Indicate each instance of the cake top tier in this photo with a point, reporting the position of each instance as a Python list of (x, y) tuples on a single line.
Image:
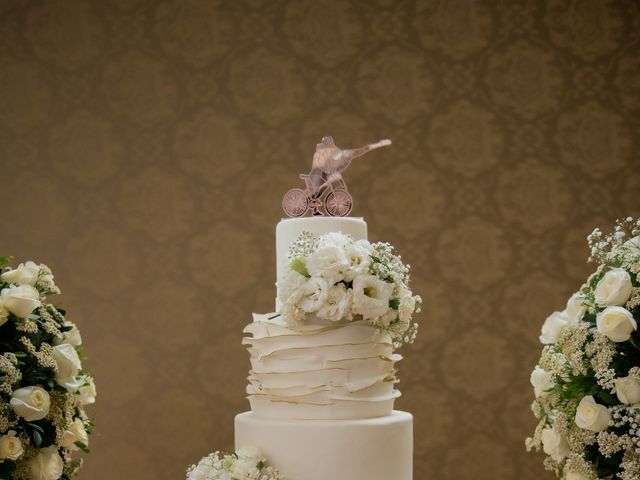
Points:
[(289, 229)]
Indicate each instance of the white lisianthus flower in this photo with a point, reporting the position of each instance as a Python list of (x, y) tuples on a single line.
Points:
[(30, 403), (249, 452), (10, 446), (69, 365), (20, 300), (74, 433), (552, 327), (371, 296), (87, 391), (46, 465), (25, 274), (338, 304), (614, 288), (628, 390), (554, 444), (616, 323), (72, 337), (576, 308), (290, 287), (591, 415), (314, 294), (329, 262), (541, 380), (359, 258)]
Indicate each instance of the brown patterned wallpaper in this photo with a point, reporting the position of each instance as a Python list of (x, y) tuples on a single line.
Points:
[(145, 146)]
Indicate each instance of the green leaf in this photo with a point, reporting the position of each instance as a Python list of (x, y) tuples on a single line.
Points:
[(7, 467), (394, 303), (260, 465), (299, 265), (82, 446), (5, 261), (21, 354), (37, 438)]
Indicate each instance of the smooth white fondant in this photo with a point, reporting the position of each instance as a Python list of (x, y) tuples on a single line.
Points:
[(369, 449), (320, 371), (289, 229)]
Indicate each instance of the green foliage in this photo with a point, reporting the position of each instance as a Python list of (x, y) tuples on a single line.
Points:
[(82, 446), (299, 265), (4, 261), (7, 467), (394, 303)]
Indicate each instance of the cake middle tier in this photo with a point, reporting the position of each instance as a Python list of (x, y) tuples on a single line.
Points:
[(320, 371)]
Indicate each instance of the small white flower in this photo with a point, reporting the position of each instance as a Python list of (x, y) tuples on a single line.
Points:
[(554, 444), (314, 294), (591, 415), (552, 327), (10, 446), (616, 323), (371, 296), (20, 300), (337, 305), (614, 288), (541, 380), (628, 390)]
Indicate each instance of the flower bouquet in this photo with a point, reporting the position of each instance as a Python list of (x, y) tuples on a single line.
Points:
[(587, 382), (337, 278), (245, 464), (43, 389)]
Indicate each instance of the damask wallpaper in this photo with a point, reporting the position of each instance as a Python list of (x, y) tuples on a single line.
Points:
[(145, 146)]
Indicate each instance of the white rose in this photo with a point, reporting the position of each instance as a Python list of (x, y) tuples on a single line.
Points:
[(616, 323), (576, 308), (329, 262), (628, 390), (554, 444), (46, 465), (552, 327), (87, 391), (74, 433), (69, 365), (591, 415), (72, 337), (20, 300), (406, 308), (337, 305), (4, 313), (10, 446), (614, 288), (371, 296), (30, 403), (25, 274), (541, 380), (359, 259), (314, 294)]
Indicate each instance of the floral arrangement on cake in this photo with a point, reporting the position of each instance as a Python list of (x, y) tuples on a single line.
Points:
[(587, 382), (337, 278), (43, 389), (245, 464)]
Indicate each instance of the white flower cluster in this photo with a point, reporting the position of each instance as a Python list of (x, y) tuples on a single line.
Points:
[(245, 464), (587, 383), (336, 278), (42, 381)]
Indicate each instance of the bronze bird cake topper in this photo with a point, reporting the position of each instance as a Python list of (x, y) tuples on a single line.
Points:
[(325, 190)]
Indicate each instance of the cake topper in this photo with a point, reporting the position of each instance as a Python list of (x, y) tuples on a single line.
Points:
[(324, 185)]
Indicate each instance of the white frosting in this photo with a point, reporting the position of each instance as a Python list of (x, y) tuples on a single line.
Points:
[(288, 230), (370, 449), (320, 371)]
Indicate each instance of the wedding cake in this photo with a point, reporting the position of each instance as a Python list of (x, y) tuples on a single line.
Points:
[(323, 367)]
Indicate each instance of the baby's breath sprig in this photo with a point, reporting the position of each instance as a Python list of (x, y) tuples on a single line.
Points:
[(303, 246)]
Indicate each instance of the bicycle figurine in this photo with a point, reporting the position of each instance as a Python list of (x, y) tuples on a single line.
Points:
[(324, 185)]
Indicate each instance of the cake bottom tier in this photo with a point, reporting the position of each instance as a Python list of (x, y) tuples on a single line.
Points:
[(366, 449)]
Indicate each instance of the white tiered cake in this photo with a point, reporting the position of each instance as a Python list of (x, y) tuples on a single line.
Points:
[(322, 392)]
